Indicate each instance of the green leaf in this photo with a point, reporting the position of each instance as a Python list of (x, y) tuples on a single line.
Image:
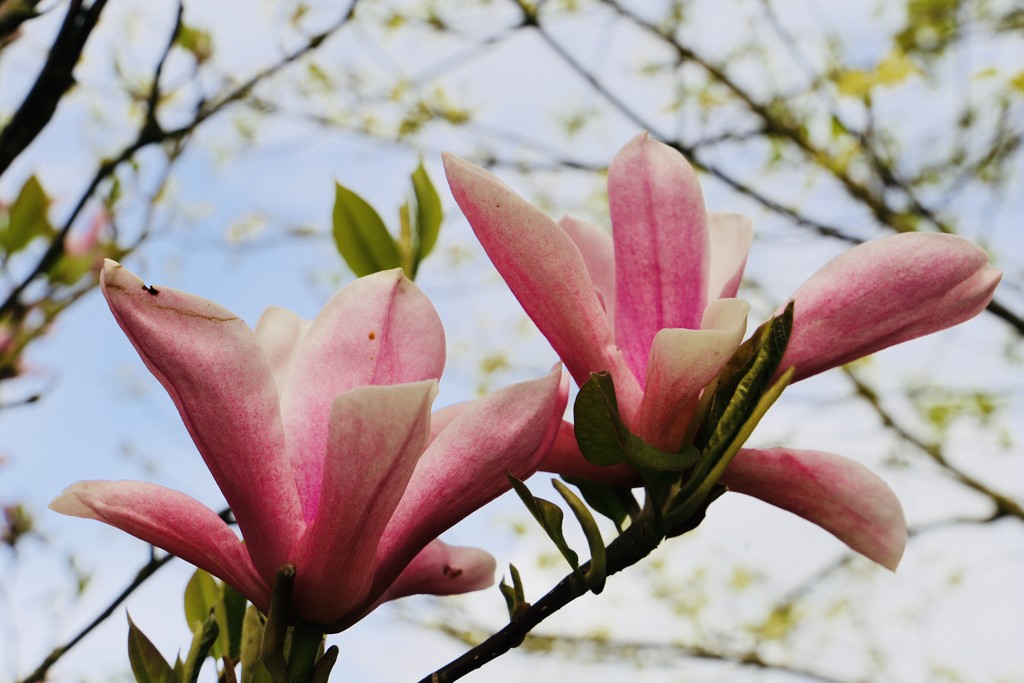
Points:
[(515, 596), (251, 646), (605, 440), (234, 618), (360, 235), (204, 635), (428, 214), (148, 665), (614, 502), (595, 414), (204, 594), (596, 573), (550, 517), (27, 218)]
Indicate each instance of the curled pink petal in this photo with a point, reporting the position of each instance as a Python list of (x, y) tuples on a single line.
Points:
[(442, 569), (379, 330), (598, 253), (540, 263), (838, 494), (467, 464), (885, 292), (377, 435), (661, 246), (279, 332), (216, 373), (682, 363), (179, 524), (730, 236)]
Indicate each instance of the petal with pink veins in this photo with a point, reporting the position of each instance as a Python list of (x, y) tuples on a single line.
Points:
[(279, 332), (377, 435), (682, 363), (661, 246), (217, 374), (730, 236), (171, 520), (466, 466), (884, 292), (598, 253), (540, 264), (442, 569), (838, 494), (379, 330)]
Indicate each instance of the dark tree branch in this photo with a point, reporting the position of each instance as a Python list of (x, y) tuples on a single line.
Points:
[(53, 82)]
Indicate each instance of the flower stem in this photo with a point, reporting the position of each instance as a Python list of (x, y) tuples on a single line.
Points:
[(306, 642)]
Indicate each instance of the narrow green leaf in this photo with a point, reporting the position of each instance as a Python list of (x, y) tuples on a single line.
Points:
[(250, 648), (596, 573), (515, 596), (614, 502), (234, 616), (204, 635), (148, 665), (550, 518), (428, 214), (360, 235), (700, 486), (27, 218)]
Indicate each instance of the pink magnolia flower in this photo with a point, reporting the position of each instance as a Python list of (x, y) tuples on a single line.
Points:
[(320, 436), (653, 305)]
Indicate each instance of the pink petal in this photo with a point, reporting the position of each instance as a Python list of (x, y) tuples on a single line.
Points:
[(216, 373), (565, 459), (730, 236), (598, 253), (466, 465), (438, 569), (168, 519), (542, 267), (379, 330), (442, 569), (279, 332), (377, 435), (839, 495), (661, 246), (885, 292), (682, 363)]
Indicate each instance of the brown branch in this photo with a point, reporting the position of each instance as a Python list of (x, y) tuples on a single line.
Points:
[(54, 80)]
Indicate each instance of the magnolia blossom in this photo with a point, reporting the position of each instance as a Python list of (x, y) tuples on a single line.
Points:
[(653, 304), (320, 436)]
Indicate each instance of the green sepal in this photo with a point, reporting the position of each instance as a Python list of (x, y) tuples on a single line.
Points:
[(148, 665), (250, 648), (614, 502), (605, 440), (204, 636), (706, 475), (515, 596), (596, 572), (234, 617), (428, 215), (550, 517), (744, 378), (360, 235), (27, 217)]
